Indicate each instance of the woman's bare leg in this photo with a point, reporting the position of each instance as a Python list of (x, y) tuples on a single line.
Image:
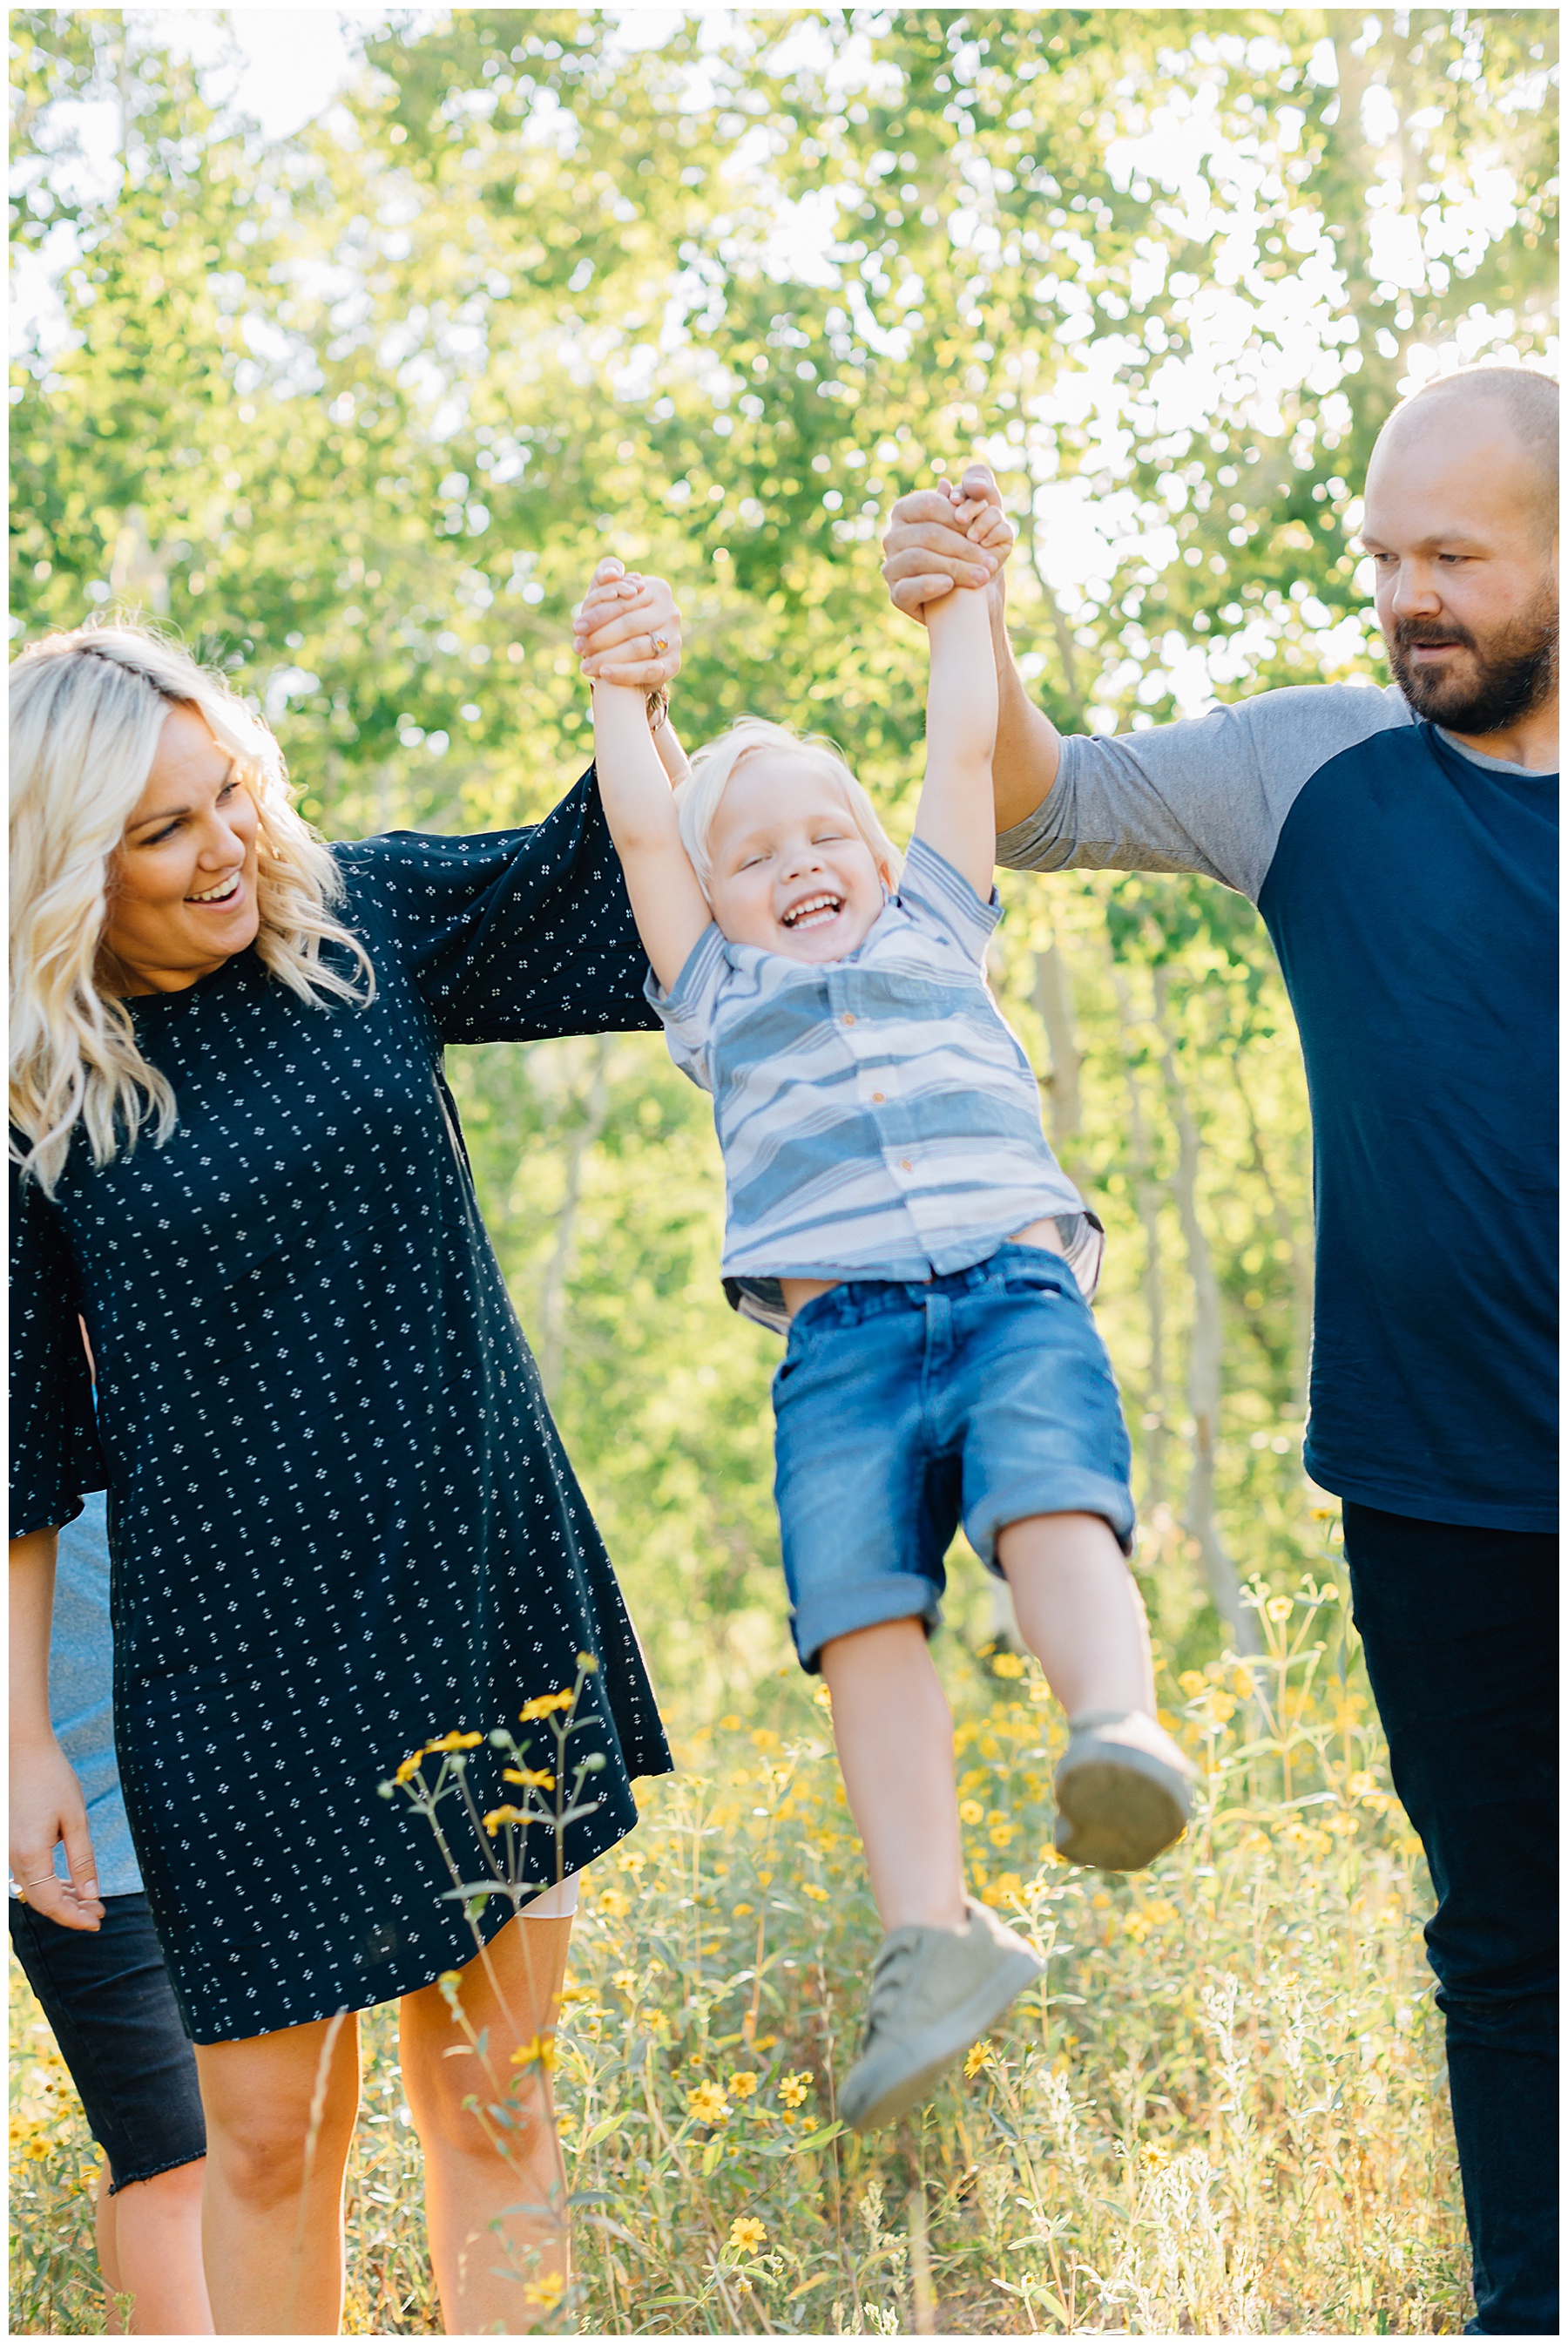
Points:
[(280, 2112), (498, 2226), (894, 1733), (149, 2248)]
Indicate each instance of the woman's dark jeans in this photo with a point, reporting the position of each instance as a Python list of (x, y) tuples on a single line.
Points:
[(1460, 1632), (108, 1997)]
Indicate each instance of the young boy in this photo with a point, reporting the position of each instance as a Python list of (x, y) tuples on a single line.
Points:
[(892, 1204)]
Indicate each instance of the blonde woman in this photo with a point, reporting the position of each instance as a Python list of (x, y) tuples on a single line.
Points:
[(341, 1517)]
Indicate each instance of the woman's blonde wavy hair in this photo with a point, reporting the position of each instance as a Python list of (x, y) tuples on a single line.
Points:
[(87, 709), (714, 765)]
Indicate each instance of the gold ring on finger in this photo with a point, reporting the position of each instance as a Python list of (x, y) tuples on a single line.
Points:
[(660, 643)]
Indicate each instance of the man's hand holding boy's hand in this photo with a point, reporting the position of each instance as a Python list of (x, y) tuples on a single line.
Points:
[(951, 535), (626, 628)]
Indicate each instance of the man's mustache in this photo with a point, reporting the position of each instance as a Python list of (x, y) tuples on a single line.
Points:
[(1410, 633)]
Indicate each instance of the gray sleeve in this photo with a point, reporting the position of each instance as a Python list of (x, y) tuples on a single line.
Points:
[(1209, 795)]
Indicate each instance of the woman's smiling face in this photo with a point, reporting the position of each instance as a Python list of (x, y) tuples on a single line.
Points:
[(792, 872), (182, 895)]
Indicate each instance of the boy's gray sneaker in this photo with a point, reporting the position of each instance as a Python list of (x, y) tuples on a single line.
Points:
[(933, 1993), (1120, 1802)]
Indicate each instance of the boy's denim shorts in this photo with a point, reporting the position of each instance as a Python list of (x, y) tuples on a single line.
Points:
[(984, 1397)]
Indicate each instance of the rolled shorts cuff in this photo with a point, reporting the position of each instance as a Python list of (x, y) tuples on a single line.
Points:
[(151, 2172), (1059, 1489), (841, 1610)]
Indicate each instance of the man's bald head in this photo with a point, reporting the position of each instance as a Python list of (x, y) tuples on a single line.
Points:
[(1484, 403), (1461, 526)]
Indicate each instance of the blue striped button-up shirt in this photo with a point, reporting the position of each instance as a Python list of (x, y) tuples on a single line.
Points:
[(877, 1115)]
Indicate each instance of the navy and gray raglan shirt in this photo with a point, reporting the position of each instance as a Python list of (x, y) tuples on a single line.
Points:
[(1409, 887)]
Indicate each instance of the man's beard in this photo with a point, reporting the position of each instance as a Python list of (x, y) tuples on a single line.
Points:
[(1516, 671)]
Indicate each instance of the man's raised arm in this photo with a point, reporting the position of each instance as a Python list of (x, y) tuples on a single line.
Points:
[(927, 557)]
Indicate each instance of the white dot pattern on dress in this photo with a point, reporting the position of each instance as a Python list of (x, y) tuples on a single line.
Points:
[(341, 1516)]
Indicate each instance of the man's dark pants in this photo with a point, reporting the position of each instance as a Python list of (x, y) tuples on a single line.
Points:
[(1458, 1627)]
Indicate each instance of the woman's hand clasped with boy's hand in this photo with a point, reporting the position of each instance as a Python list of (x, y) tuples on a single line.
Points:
[(626, 628)]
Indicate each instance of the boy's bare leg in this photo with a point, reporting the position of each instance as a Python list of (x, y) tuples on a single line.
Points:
[(894, 1733), (1080, 1612)]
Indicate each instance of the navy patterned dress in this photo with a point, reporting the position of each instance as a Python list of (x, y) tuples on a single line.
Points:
[(342, 1520)]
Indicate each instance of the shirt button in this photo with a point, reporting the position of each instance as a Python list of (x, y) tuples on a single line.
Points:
[(878, 1098), (848, 1016), (904, 1163)]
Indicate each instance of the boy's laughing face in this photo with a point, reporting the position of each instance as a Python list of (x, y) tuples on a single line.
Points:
[(792, 872)]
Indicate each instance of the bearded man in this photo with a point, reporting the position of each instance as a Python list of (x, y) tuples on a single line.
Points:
[(1401, 847)]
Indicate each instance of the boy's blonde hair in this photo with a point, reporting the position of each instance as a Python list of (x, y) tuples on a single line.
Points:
[(86, 711), (714, 765)]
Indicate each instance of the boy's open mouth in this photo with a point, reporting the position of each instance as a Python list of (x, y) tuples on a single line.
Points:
[(814, 913)]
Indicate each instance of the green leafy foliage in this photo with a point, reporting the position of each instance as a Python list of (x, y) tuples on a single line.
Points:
[(357, 411)]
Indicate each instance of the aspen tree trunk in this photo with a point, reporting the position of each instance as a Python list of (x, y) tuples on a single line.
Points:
[(594, 1097), (1146, 1198), (1289, 1234), (1053, 999), (1205, 1353)]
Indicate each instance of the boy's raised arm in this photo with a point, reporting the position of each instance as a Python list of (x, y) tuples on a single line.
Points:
[(633, 619), (957, 815)]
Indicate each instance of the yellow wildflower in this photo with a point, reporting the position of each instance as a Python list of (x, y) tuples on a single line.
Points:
[(540, 2052), (1137, 1925), (817, 1895), (1242, 1682), (1280, 1607), (409, 1768), (1218, 1707), (543, 1704), (793, 2089), (628, 1981), (728, 1724), (742, 2085), (587, 1663), (454, 1742), (979, 2056), (747, 2234), (708, 2104), (546, 2292), (499, 1816), (531, 1777), (565, 2120), (1006, 1665), (764, 1740), (970, 1811), (1153, 2158), (1002, 1834), (1191, 1682), (744, 1912)]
